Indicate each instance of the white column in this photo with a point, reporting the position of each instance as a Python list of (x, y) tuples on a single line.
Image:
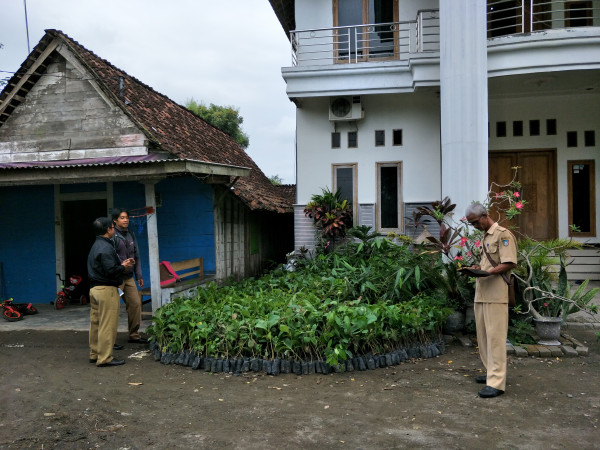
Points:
[(464, 102), (153, 257)]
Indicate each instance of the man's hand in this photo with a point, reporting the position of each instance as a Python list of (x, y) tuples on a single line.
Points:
[(141, 282), (128, 264)]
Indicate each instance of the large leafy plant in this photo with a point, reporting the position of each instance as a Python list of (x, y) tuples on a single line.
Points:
[(359, 300), (331, 215)]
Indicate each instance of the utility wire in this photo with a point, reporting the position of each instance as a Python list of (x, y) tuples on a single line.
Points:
[(26, 26)]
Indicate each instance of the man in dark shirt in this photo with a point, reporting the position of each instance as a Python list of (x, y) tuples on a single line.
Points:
[(127, 247), (106, 273)]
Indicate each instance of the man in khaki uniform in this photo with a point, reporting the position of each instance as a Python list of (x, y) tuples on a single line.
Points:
[(491, 298), (105, 272)]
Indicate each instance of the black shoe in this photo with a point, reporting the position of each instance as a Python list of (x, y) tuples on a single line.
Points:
[(481, 379), (93, 361), (138, 341), (489, 392), (118, 347), (114, 362)]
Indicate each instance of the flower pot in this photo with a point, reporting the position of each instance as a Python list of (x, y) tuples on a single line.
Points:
[(455, 322), (548, 330)]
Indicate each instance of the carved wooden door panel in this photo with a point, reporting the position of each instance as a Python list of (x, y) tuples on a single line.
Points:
[(537, 175)]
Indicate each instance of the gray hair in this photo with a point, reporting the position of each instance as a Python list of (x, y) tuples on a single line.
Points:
[(476, 209)]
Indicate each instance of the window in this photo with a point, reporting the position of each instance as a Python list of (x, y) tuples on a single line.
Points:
[(571, 138), (389, 196), (534, 128), (551, 127), (379, 138), (578, 14), (589, 138), (336, 139), (397, 137), (344, 179), (518, 128), (352, 139), (361, 42), (500, 129), (582, 198)]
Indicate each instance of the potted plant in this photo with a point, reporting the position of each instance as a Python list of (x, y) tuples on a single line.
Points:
[(331, 215), (550, 300)]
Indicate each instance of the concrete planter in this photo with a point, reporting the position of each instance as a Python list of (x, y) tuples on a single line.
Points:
[(548, 330)]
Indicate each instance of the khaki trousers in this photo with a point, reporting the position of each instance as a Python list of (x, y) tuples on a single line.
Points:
[(133, 303), (104, 319), (491, 321)]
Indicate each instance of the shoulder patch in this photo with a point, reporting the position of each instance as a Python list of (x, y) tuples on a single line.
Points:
[(505, 242)]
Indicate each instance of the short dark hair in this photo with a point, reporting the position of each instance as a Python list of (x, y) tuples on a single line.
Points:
[(116, 212), (101, 225)]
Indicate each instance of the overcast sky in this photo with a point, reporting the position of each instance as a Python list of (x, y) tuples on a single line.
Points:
[(226, 52)]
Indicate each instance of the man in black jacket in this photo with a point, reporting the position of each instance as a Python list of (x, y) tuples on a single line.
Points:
[(106, 273), (127, 247)]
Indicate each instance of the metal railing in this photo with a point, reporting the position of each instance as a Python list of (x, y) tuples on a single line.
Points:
[(507, 17), (404, 40), (366, 42)]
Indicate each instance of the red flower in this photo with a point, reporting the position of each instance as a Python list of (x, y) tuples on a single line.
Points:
[(463, 241), (516, 194), (477, 244), (459, 258), (469, 254), (518, 205)]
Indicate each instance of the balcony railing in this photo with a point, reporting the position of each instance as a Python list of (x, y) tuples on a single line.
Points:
[(404, 40), (367, 42)]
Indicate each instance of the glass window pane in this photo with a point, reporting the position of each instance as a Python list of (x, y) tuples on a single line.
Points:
[(349, 13), (580, 196), (381, 38), (345, 183), (389, 196)]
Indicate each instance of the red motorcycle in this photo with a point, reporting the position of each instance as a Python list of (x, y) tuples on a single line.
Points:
[(15, 311), (70, 293)]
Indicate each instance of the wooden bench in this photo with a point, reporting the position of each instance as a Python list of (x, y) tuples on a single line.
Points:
[(191, 277)]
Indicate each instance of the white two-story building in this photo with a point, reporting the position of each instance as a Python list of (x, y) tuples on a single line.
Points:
[(400, 103)]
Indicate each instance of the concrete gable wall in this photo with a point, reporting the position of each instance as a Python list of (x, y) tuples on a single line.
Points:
[(64, 116)]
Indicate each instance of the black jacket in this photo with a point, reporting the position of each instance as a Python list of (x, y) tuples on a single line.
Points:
[(127, 247), (104, 266)]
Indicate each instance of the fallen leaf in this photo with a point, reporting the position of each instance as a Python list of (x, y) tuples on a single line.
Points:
[(274, 387), (49, 414), (135, 383), (326, 407)]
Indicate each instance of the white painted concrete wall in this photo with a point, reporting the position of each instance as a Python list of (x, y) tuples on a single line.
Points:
[(572, 113), (416, 114)]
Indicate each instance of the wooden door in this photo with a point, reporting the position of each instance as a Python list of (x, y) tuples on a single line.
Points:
[(537, 175)]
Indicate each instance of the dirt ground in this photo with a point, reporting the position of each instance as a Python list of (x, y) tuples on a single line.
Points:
[(51, 397)]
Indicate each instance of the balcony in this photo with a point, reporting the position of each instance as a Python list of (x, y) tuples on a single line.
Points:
[(421, 37), (370, 42), (404, 56)]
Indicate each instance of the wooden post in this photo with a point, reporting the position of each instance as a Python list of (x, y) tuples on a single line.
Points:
[(153, 256)]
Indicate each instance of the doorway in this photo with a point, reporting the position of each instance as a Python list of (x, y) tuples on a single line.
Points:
[(78, 235), (537, 175)]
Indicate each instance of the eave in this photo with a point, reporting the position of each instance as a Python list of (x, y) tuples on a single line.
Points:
[(94, 173)]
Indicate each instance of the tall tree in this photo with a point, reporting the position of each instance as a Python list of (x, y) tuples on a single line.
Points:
[(225, 118)]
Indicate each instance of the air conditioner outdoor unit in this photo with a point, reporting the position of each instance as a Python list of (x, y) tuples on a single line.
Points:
[(346, 108)]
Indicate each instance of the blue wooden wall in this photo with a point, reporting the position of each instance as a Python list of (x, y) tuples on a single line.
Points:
[(27, 250)]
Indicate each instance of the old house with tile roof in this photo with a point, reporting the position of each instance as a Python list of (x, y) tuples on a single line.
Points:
[(78, 137)]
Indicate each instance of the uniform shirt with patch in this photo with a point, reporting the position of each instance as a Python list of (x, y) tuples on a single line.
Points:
[(501, 246)]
